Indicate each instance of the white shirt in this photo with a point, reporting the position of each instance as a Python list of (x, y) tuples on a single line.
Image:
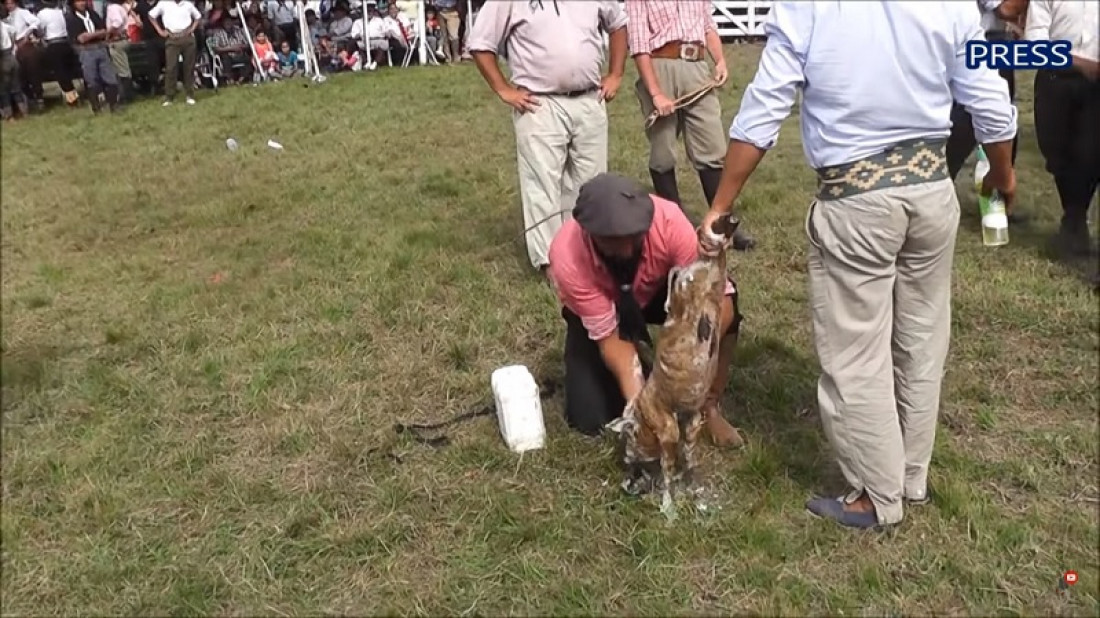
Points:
[(393, 28), (990, 21), (377, 29), (116, 16), (280, 13), (865, 89), (7, 36), (22, 21), (52, 23), (1075, 21), (357, 29), (176, 16)]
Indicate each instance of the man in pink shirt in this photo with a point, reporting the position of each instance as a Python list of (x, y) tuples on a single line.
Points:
[(610, 265)]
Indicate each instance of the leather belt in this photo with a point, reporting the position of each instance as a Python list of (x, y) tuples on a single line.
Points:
[(571, 94), (693, 51)]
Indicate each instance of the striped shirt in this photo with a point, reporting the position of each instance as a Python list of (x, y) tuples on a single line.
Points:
[(653, 23)]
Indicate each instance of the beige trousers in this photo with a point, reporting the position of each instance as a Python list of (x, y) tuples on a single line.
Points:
[(559, 146), (705, 137), (880, 291), (119, 58)]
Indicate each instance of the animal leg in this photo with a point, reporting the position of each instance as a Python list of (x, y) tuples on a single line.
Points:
[(691, 441), (669, 452)]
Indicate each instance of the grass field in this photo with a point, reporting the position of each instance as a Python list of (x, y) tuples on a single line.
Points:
[(204, 353)]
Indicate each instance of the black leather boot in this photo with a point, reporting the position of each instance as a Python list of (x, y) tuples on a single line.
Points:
[(112, 94), (93, 99), (710, 177), (126, 90), (664, 185)]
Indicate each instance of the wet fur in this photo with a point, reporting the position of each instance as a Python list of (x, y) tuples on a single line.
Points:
[(665, 420)]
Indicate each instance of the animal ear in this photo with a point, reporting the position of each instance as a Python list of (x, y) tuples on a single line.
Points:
[(725, 225), (672, 274)]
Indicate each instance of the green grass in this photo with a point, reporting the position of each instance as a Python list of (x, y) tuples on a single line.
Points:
[(204, 353)]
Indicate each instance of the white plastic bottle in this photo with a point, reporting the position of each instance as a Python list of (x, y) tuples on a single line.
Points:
[(994, 217), (519, 409)]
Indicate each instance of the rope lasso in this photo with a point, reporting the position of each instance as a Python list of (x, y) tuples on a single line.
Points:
[(682, 102)]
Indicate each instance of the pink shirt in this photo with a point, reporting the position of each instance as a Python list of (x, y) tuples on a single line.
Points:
[(585, 286), (656, 22)]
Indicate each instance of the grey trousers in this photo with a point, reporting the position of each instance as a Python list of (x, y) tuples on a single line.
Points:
[(559, 146), (880, 290), (95, 63)]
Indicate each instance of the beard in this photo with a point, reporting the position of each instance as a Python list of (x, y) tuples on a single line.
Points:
[(623, 269)]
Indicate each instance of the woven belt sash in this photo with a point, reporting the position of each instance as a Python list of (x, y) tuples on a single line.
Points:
[(906, 163)]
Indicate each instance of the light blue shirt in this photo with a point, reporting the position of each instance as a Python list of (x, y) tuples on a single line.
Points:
[(872, 74)]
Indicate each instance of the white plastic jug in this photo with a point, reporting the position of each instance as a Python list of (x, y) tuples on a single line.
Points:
[(519, 409)]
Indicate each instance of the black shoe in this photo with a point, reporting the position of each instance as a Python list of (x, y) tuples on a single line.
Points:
[(1073, 239)]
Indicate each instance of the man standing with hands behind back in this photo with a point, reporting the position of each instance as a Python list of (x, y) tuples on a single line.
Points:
[(555, 52), (669, 40), (176, 21)]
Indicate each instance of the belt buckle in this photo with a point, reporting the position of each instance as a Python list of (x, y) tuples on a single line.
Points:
[(691, 51)]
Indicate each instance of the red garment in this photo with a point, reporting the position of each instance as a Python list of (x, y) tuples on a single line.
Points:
[(586, 288)]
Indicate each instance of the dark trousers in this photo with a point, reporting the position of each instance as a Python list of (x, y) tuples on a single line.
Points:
[(962, 142), (11, 90), (1067, 127), (99, 72), (59, 57), (290, 33), (174, 47), (30, 69), (592, 394)]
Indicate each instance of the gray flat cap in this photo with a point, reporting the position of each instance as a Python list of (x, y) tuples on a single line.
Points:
[(613, 205)]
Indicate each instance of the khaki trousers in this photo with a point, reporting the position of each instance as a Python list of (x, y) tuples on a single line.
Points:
[(559, 146), (705, 137), (119, 58), (880, 291)]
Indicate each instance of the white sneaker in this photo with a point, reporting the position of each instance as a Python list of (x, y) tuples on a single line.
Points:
[(190, 101), (166, 104)]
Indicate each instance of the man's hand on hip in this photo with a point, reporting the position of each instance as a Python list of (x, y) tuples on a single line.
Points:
[(520, 100)]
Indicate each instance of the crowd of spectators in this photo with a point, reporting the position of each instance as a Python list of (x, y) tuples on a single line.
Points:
[(205, 43)]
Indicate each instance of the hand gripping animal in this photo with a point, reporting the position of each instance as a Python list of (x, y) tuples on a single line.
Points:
[(664, 421)]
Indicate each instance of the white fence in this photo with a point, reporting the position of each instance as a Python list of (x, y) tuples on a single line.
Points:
[(739, 19)]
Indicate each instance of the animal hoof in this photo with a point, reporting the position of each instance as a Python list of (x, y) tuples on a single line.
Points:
[(722, 433), (668, 507)]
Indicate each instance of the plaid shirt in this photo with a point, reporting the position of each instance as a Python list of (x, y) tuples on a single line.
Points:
[(653, 23), (223, 38)]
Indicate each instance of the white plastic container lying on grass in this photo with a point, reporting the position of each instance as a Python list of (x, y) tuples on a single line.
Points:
[(519, 409)]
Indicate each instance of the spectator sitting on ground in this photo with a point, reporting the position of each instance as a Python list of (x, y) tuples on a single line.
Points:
[(288, 61), (340, 26), (269, 62), (231, 45), (274, 34), (349, 57)]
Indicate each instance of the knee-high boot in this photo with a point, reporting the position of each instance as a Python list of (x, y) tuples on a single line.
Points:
[(710, 177), (664, 185)]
